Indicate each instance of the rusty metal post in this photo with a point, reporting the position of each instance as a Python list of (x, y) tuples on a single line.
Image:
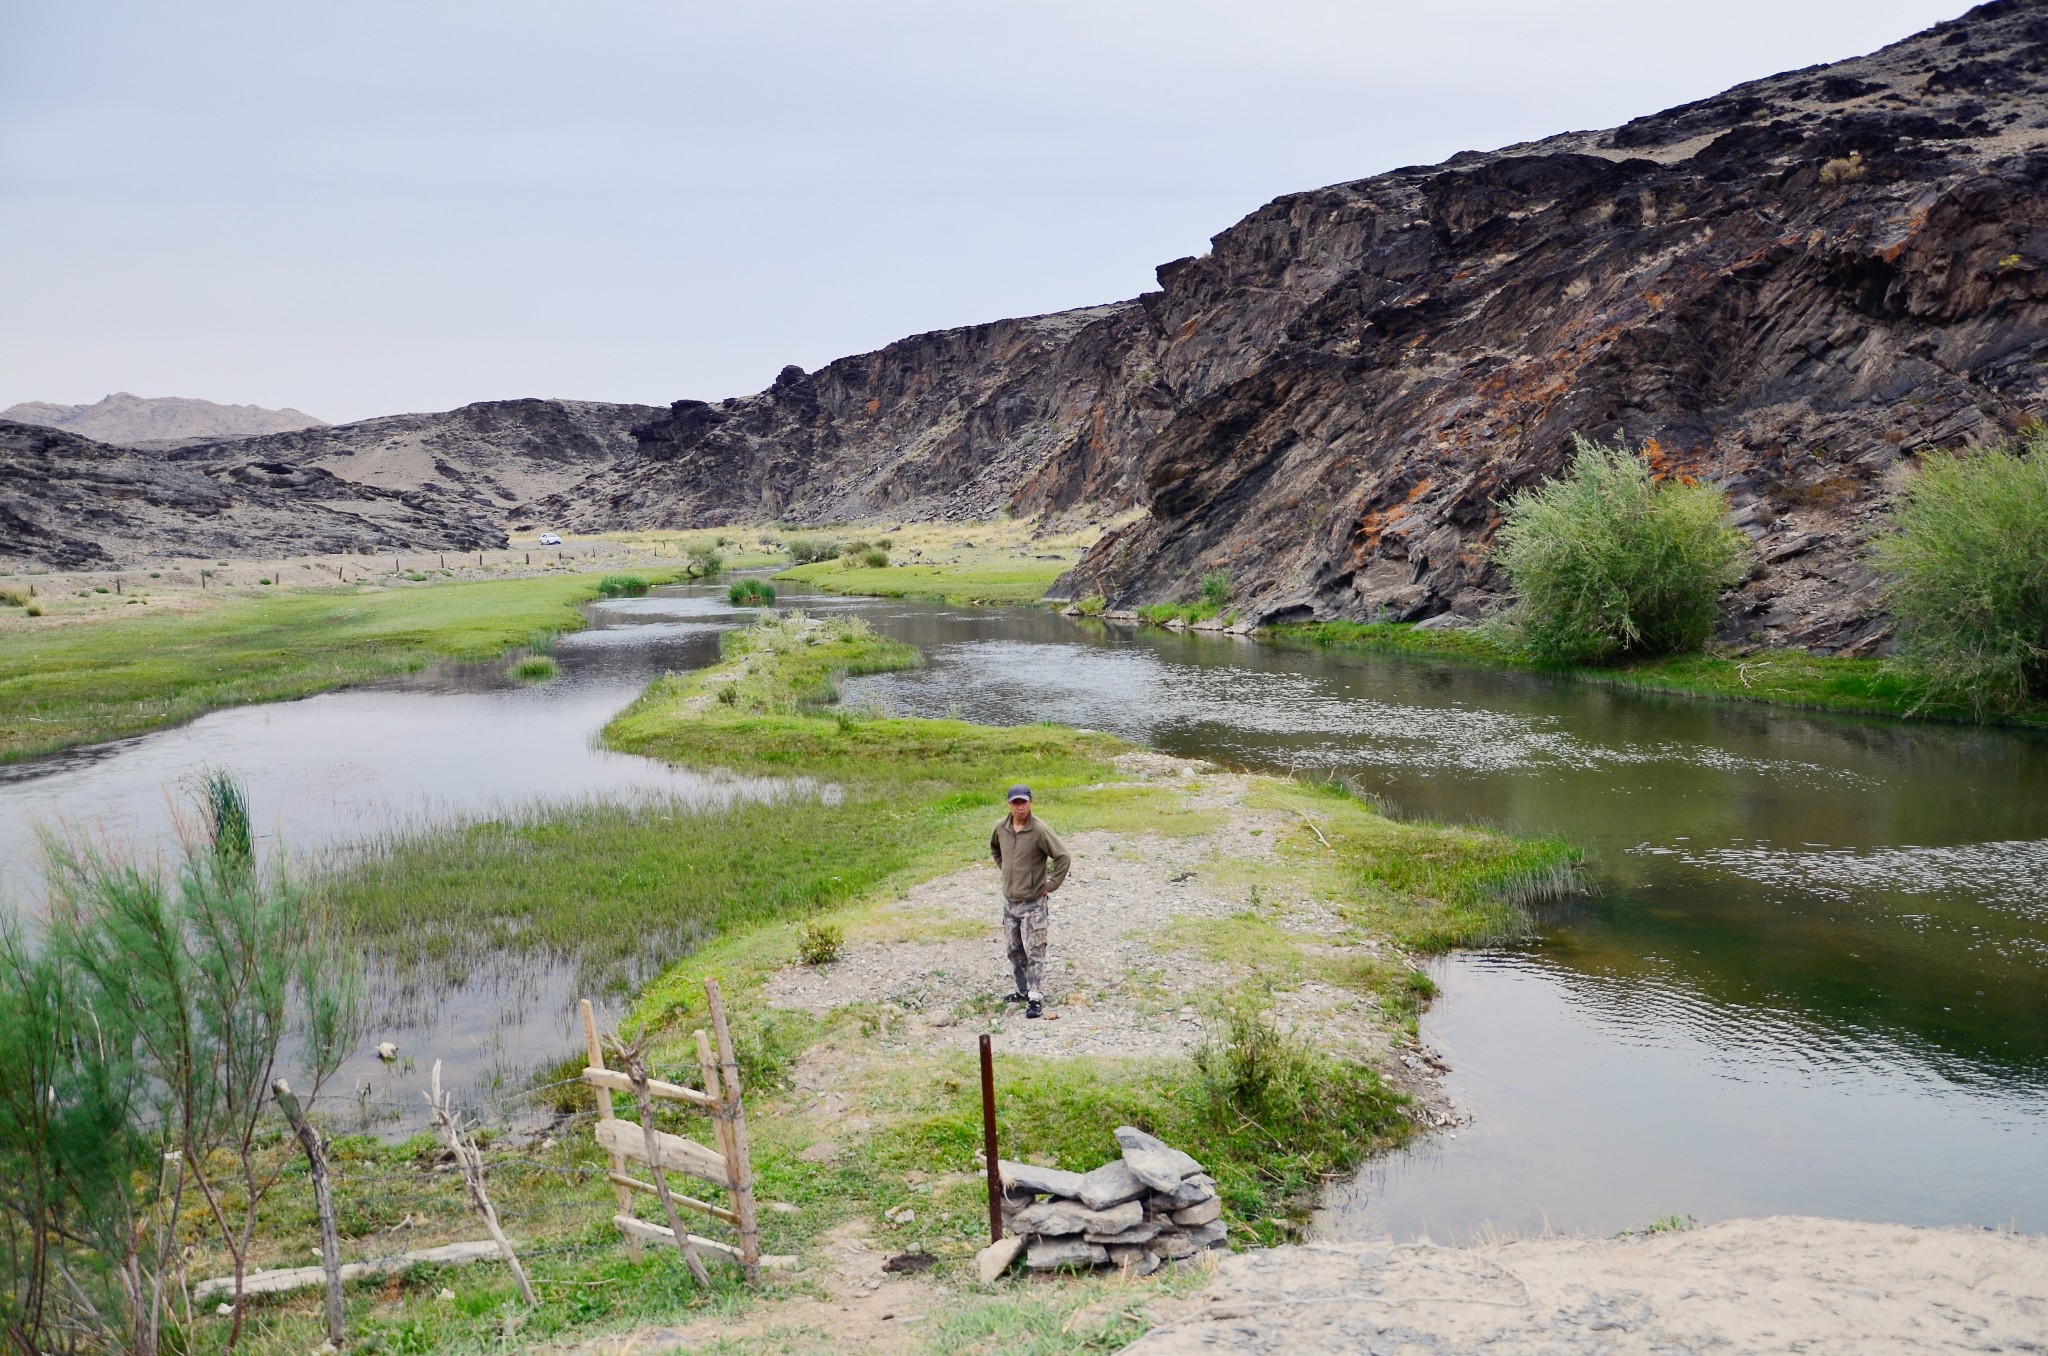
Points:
[(988, 1142)]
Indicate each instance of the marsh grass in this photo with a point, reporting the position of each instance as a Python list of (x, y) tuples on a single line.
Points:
[(76, 684), (1430, 887), (618, 890), (536, 668), (1159, 614)]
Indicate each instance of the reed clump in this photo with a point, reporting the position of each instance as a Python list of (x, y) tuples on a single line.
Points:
[(621, 586)]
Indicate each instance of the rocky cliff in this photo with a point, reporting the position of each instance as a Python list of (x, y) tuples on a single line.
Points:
[(1790, 289), (446, 481), (72, 503), (493, 458), (958, 423)]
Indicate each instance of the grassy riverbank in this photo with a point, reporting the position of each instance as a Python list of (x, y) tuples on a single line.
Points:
[(94, 680), (1004, 561), (1774, 677), (1272, 901)]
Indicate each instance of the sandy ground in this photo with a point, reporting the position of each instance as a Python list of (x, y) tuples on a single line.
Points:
[(856, 1307), (1774, 1285), (1117, 982)]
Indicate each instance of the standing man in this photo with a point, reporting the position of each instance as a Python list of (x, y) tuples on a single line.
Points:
[(1023, 847)]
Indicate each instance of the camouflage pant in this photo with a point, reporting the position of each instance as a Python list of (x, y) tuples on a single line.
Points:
[(1025, 927)]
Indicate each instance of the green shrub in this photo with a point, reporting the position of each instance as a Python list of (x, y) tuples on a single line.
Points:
[(1608, 561), (13, 598), (1311, 1104), (1969, 567), (804, 550), (1093, 605), (1217, 589), (751, 593), (874, 557), (621, 586), (705, 560), (1844, 170), (819, 943)]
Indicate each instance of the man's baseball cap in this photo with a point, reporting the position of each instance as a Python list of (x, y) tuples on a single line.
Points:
[(1019, 792)]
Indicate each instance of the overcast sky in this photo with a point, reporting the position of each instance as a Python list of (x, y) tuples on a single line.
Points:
[(369, 207)]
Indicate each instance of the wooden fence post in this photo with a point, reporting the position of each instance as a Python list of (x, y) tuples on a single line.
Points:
[(323, 1205), (735, 1121), (470, 1162), (594, 1052)]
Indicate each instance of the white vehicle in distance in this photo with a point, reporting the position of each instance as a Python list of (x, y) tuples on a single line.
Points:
[(550, 539)]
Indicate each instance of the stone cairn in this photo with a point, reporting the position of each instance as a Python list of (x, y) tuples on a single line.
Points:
[(1153, 1205)]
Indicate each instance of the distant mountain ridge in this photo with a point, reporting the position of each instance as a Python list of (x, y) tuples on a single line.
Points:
[(126, 420)]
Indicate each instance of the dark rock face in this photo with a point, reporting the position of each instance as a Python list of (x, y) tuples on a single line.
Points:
[(952, 424), (1788, 289), (446, 481), (493, 457)]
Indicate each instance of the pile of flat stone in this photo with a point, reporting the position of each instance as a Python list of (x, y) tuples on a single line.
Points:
[(1151, 1206)]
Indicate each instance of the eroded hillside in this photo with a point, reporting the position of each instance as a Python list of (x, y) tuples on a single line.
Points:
[(1790, 289)]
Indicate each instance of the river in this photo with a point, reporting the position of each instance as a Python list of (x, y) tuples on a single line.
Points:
[(1812, 980)]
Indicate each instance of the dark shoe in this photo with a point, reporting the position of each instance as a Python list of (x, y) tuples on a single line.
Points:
[(1034, 1009), (1018, 997)]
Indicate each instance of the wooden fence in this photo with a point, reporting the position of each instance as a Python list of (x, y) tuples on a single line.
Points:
[(659, 1153)]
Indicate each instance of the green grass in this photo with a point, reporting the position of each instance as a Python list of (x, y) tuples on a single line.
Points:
[(536, 668), (75, 684), (1776, 677), (1159, 614), (622, 586), (974, 582)]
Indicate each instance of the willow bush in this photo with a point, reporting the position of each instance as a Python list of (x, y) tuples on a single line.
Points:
[(143, 1018), (1969, 574), (1609, 562)]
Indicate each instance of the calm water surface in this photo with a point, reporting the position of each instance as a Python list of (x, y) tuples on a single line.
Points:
[(1813, 980)]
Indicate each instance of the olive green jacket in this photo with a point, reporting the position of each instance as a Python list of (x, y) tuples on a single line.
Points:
[(1023, 854)]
